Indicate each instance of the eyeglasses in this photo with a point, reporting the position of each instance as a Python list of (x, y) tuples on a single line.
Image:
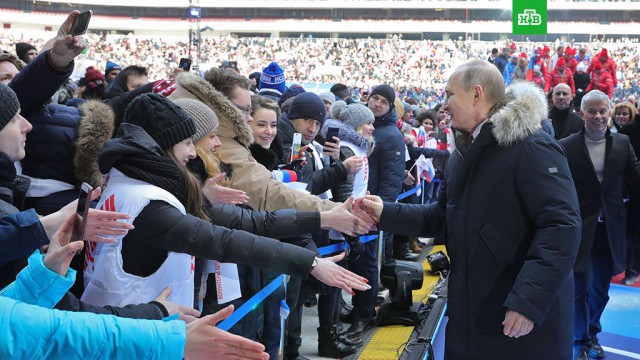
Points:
[(245, 110)]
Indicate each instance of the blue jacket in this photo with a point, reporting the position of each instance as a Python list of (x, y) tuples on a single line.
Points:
[(507, 73), (20, 233), (31, 330), (387, 161)]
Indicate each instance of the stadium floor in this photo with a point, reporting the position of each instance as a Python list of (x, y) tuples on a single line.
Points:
[(620, 337)]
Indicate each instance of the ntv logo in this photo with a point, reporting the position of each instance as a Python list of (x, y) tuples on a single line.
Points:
[(529, 18)]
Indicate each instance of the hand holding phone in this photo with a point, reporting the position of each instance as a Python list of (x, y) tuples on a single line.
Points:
[(81, 23), (331, 132), (84, 203)]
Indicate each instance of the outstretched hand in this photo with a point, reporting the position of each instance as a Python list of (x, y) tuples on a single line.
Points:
[(330, 273), (217, 194), (205, 340), (353, 164), (341, 219), (185, 313), (61, 251), (101, 223)]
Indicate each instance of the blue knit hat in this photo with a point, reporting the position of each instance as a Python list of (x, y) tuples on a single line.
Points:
[(307, 105), (273, 78), (110, 67)]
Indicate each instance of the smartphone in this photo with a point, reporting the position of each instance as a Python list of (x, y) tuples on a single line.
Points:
[(84, 203), (185, 64), (295, 146), (81, 23), (233, 65), (331, 132)]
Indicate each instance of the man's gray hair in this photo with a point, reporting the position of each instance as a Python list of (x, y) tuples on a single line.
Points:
[(594, 95)]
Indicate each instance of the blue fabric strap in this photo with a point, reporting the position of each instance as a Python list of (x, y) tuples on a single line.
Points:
[(409, 193), (251, 304)]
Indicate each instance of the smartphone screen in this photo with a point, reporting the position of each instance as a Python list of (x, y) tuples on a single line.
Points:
[(84, 202), (331, 132), (295, 146), (185, 64), (81, 23)]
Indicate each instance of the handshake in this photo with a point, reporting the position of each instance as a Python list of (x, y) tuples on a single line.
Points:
[(353, 217)]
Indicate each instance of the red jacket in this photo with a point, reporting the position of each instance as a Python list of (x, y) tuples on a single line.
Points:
[(609, 66), (556, 78), (604, 83)]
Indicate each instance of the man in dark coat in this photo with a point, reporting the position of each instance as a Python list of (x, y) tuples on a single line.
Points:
[(565, 122), (512, 223), (601, 163)]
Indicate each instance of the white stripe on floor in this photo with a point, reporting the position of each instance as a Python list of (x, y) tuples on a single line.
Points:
[(622, 352)]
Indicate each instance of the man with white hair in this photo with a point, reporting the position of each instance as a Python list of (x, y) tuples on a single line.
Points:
[(602, 163)]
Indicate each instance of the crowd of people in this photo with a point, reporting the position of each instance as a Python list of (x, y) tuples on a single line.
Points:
[(197, 174), (417, 69)]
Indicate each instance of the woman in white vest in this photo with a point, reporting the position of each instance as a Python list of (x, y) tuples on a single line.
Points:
[(207, 166), (148, 179), (355, 124)]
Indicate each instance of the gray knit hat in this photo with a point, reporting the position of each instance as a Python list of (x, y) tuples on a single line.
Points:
[(9, 105), (205, 119), (327, 96), (335, 109), (356, 115)]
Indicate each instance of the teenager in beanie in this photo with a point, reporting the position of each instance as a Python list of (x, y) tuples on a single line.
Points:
[(148, 179), (111, 71), (26, 52), (272, 82), (306, 115)]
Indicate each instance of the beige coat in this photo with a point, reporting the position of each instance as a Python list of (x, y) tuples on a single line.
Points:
[(265, 193)]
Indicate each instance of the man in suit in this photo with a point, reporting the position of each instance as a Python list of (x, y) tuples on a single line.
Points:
[(601, 164)]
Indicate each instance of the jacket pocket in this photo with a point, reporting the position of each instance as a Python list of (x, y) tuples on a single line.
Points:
[(498, 245)]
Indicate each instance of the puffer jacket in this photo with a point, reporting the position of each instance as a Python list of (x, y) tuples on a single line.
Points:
[(387, 161), (265, 192), (51, 334)]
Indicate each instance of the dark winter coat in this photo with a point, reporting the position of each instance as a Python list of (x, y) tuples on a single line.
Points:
[(159, 224), (564, 122), (606, 199), (512, 224), (387, 161)]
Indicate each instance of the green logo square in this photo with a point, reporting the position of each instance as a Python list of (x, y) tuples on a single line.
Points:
[(529, 17)]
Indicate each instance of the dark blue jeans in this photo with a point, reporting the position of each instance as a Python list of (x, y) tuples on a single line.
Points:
[(366, 265), (592, 289)]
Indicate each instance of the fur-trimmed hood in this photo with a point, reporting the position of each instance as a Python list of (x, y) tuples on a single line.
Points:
[(525, 105), (232, 122), (347, 133), (94, 130)]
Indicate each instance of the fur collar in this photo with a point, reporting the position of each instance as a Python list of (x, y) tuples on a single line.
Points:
[(232, 122), (347, 133), (94, 129), (523, 109)]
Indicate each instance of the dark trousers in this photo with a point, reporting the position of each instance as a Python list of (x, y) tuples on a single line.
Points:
[(297, 292), (366, 265), (592, 289)]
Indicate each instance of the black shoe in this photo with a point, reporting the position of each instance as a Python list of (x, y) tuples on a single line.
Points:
[(629, 280), (345, 312), (330, 346), (582, 354), (311, 301), (359, 326), (595, 350), (404, 253), (346, 339)]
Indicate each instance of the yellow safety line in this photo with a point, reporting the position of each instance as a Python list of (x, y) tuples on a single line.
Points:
[(388, 342)]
